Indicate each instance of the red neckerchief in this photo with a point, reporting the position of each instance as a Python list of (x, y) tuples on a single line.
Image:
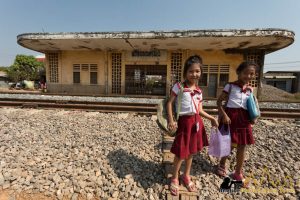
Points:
[(197, 90), (244, 88), (193, 93), (197, 108)]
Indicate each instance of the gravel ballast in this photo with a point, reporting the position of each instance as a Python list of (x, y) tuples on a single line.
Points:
[(118, 156)]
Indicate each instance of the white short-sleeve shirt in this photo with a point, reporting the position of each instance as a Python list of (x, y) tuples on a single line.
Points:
[(187, 105), (238, 96)]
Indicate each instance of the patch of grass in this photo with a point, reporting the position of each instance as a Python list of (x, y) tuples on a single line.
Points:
[(297, 95), (293, 97)]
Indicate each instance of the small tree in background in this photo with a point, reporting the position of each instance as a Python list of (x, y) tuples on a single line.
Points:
[(2, 68), (25, 68)]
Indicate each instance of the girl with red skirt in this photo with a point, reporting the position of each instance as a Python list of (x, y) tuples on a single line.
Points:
[(235, 115), (190, 137)]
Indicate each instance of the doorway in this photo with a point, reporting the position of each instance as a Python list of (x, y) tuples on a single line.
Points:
[(145, 79)]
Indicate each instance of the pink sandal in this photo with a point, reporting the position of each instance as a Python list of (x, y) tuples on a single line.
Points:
[(240, 177), (174, 186), (190, 186)]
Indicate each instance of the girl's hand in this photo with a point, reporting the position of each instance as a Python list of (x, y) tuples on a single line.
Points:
[(214, 123), (172, 126), (253, 121), (226, 119)]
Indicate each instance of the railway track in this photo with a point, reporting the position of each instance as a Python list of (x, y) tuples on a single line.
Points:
[(142, 108)]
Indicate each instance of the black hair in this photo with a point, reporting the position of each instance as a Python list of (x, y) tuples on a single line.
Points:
[(195, 59), (244, 65)]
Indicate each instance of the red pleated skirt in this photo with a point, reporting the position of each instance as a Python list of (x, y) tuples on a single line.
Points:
[(240, 127), (188, 140)]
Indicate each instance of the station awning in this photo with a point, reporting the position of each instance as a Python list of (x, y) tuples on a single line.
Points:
[(268, 40)]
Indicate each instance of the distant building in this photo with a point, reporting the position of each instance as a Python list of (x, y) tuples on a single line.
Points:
[(40, 58), (288, 81), (148, 63)]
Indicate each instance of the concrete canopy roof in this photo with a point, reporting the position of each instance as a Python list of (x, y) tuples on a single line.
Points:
[(268, 40)]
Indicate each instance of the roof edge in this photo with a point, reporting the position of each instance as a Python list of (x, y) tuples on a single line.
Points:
[(162, 34)]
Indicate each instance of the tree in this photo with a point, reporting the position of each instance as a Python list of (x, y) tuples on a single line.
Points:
[(2, 68), (25, 68)]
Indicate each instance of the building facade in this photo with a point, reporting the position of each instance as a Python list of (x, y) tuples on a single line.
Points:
[(288, 81), (148, 63)]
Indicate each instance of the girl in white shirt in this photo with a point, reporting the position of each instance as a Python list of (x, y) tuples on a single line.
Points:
[(190, 137), (236, 116)]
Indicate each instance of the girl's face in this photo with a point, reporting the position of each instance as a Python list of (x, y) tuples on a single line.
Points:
[(247, 74), (193, 73)]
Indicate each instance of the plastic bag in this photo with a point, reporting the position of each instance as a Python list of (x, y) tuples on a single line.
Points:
[(252, 107), (220, 142)]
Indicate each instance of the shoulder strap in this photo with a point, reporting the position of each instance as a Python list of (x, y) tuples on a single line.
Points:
[(229, 91), (179, 98)]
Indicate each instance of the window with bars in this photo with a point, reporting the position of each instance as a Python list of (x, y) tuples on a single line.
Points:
[(92, 68), (223, 75), (76, 73), (176, 66), (93, 74), (93, 78), (223, 80), (116, 59), (53, 67), (203, 80), (222, 72)]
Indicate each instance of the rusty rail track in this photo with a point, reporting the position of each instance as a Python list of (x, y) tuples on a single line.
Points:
[(132, 96), (286, 113), (143, 108)]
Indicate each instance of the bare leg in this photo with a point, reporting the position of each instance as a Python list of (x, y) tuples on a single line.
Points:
[(223, 161), (221, 168), (176, 167), (240, 157), (186, 176), (174, 185), (188, 165)]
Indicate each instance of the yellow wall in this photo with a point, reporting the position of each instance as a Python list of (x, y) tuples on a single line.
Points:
[(68, 58), (220, 58), (103, 60)]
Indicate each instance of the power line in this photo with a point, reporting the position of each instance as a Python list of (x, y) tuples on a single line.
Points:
[(289, 62), (269, 67)]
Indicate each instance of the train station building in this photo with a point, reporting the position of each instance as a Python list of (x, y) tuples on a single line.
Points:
[(148, 63)]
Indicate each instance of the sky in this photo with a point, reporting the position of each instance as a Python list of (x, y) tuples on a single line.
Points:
[(31, 16)]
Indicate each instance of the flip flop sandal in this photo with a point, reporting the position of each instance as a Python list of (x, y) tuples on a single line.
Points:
[(221, 171), (245, 184), (174, 187), (190, 186)]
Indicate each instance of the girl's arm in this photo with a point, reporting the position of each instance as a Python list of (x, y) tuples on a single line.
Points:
[(171, 124), (222, 113), (202, 113)]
